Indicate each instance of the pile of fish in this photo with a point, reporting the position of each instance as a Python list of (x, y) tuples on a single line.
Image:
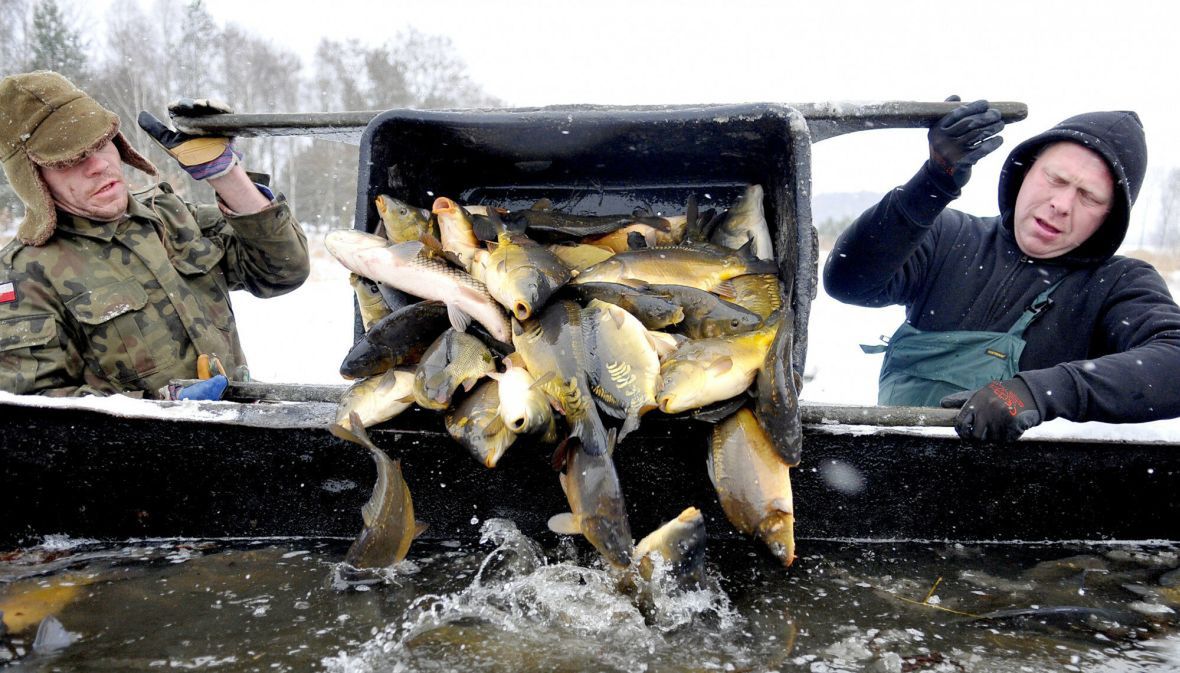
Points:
[(537, 322)]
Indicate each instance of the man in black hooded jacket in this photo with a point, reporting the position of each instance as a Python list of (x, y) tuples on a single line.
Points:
[(1030, 315)]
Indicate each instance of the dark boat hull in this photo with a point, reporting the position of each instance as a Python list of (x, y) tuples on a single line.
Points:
[(274, 470)]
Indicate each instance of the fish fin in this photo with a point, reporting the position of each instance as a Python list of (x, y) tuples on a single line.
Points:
[(617, 315), (542, 380), (630, 424), (755, 266), (557, 460), (720, 366), (355, 432), (431, 244), (608, 403), (712, 223), (469, 383), (498, 224), (725, 290), (565, 524), (513, 359), (746, 250), (405, 252), (420, 527), (636, 241), (491, 245), (485, 228), (611, 441), (542, 204), (495, 427), (709, 469), (589, 430), (782, 505), (454, 259), (459, 320)]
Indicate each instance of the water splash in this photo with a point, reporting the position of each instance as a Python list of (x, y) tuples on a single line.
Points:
[(524, 607)]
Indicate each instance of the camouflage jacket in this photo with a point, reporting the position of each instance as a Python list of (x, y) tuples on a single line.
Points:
[(126, 306)]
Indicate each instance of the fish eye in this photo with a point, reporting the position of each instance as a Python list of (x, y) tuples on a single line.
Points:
[(735, 323)]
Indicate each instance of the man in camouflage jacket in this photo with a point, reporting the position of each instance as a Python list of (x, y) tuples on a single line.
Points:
[(105, 291)]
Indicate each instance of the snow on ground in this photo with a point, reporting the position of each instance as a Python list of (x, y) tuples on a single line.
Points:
[(303, 336)]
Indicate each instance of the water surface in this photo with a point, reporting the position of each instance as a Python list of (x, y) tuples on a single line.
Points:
[(510, 604)]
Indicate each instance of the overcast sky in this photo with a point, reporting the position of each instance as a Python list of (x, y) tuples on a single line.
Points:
[(1060, 58)]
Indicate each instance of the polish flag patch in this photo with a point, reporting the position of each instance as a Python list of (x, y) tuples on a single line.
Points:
[(7, 293)]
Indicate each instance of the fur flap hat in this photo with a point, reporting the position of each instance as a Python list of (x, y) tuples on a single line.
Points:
[(47, 121)]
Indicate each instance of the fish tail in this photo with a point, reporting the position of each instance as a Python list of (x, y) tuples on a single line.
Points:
[(595, 439)]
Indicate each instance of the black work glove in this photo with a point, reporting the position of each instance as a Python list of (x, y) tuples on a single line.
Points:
[(999, 412), (201, 156), (963, 137)]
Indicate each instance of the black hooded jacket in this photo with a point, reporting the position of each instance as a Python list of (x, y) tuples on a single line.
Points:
[(1108, 349)]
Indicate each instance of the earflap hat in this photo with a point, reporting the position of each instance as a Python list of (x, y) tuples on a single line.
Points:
[(46, 121)]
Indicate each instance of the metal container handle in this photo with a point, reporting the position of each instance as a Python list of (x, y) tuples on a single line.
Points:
[(827, 120), (824, 120)]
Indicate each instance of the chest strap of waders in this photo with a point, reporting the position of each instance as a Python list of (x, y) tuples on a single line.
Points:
[(1039, 305)]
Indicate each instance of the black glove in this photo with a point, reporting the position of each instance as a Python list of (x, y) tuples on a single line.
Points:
[(963, 137), (201, 156), (999, 412)]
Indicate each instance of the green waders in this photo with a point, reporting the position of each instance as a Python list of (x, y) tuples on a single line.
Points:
[(921, 368)]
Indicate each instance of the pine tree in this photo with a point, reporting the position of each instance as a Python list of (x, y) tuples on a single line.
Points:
[(56, 45)]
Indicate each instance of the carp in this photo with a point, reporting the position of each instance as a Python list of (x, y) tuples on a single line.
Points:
[(522, 275), (619, 240), (624, 369), (404, 222), (456, 234), (454, 359), (541, 218), (653, 310), (680, 543), (552, 348), (399, 338), (745, 224), (777, 393), (402, 266), (579, 256), (389, 513), (703, 266), (597, 512), (761, 293), (369, 300), (524, 406), (703, 371), (753, 483), (376, 399), (476, 424), (705, 314)]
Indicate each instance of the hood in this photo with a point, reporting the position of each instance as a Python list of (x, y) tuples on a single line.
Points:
[(1118, 138)]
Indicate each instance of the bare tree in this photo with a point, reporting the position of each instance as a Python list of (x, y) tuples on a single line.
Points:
[(15, 17), (1166, 235), (435, 77)]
